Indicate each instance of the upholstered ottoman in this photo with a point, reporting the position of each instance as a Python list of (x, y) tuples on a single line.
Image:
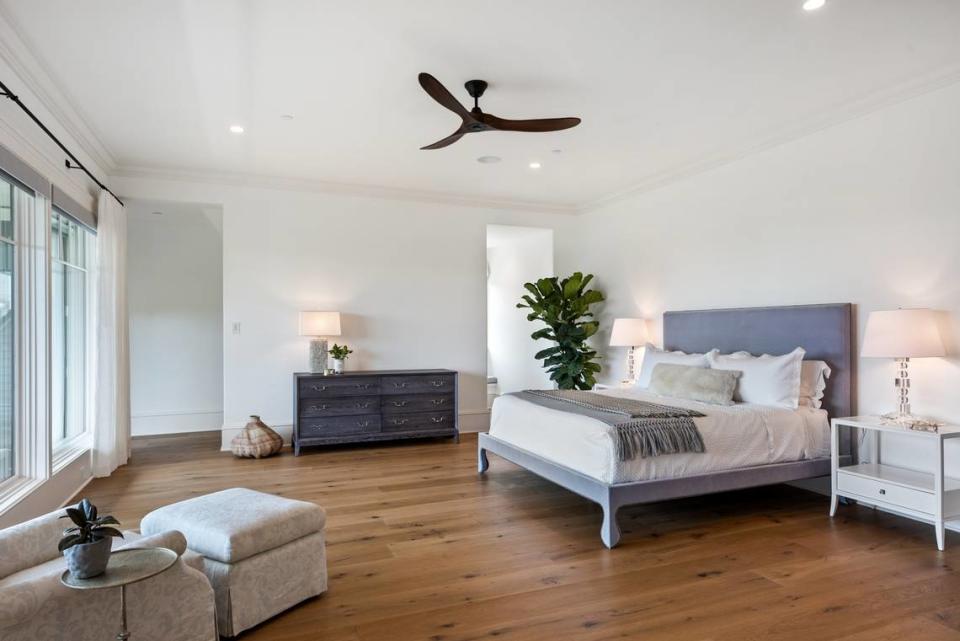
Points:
[(262, 553)]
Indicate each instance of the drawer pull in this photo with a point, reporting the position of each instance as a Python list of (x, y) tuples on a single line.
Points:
[(437, 383), (363, 385), (363, 405), (319, 388), (439, 401), (363, 423), (882, 491), (399, 385), (318, 407), (400, 421), (438, 419), (400, 403)]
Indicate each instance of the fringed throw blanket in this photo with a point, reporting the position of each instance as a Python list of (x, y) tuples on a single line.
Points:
[(640, 429)]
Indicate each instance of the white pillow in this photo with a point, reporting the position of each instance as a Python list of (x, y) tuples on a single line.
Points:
[(766, 380), (652, 356), (813, 381)]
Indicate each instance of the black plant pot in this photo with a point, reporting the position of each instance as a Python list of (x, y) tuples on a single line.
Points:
[(87, 560)]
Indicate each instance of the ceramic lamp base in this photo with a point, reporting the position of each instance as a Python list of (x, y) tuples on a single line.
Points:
[(318, 356)]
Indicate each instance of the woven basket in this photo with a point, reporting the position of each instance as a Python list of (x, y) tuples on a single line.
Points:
[(256, 440)]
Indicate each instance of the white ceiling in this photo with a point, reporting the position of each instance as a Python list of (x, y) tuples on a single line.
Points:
[(664, 87)]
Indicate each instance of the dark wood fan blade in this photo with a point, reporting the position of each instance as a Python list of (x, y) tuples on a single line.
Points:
[(543, 124), (449, 140), (439, 93)]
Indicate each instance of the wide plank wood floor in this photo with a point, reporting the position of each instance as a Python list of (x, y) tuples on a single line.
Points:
[(421, 548)]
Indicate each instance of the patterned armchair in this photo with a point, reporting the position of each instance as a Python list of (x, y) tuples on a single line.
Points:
[(176, 605)]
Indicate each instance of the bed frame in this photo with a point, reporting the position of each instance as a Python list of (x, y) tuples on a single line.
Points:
[(825, 331)]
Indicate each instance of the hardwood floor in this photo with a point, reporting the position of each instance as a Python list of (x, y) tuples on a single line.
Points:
[(421, 548)]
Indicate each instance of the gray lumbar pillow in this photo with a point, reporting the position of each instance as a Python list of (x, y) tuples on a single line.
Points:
[(694, 383)]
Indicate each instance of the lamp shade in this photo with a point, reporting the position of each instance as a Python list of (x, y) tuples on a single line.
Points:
[(628, 332), (902, 333), (319, 323)]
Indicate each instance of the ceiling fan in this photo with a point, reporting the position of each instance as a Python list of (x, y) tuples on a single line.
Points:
[(475, 120)]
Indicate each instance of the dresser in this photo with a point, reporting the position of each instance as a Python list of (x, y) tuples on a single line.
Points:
[(376, 405)]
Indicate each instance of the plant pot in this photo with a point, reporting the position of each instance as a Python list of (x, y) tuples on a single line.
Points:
[(86, 560), (337, 365)]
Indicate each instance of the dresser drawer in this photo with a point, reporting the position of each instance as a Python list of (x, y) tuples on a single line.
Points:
[(444, 422), (325, 386), (406, 403), (316, 407), (339, 425), (417, 384), (890, 493)]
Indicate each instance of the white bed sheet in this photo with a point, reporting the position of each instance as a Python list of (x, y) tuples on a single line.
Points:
[(735, 436)]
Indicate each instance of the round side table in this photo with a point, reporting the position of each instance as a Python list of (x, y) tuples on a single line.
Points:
[(125, 567)]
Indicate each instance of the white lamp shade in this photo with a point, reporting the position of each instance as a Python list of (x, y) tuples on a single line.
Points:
[(902, 333), (319, 323), (628, 332)]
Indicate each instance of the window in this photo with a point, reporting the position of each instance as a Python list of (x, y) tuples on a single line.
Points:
[(69, 251), (7, 332)]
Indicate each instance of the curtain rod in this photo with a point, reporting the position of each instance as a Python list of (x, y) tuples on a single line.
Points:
[(5, 91)]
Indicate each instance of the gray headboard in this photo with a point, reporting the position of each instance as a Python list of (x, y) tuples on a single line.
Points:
[(825, 331)]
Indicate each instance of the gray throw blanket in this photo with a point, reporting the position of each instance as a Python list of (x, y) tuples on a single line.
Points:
[(639, 428)]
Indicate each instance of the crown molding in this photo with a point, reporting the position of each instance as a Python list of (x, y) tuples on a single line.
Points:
[(837, 114), (328, 187), (38, 79)]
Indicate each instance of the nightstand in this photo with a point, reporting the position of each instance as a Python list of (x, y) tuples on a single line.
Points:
[(920, 495)]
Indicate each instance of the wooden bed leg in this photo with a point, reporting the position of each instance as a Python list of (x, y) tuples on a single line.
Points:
[(609, 531), (482, 463)]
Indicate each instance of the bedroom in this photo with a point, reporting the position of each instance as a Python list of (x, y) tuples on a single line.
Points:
[(730, 156)]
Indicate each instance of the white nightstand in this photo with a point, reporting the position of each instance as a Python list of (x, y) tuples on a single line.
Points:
[(921, 495)]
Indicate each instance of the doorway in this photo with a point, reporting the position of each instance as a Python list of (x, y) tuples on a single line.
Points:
[(515, 255)]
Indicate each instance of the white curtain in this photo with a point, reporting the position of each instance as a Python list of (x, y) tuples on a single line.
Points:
[(111, 431)]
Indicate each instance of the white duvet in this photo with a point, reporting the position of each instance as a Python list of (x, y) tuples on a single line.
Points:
[(735, 436)]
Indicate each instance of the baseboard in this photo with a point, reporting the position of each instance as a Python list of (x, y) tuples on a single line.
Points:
[(470, 421), (175, 422)]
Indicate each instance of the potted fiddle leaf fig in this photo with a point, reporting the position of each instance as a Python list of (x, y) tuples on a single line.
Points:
[(563, 306), (86, 545), (338, 354)]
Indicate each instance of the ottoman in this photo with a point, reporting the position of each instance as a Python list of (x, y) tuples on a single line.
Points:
[(262, 553)]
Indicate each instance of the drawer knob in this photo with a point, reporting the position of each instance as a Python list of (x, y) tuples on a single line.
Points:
[(319, 388), (439, 401), (363, 385), (363, 405), (438, 419), (319, 407), (399, 421), (437, 383), (399, 385), (363, 423), (882, 491), (400, 403)]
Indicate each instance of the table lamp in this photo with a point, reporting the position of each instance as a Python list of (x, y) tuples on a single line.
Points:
[(319, 325), (903, 334), (629, 332)]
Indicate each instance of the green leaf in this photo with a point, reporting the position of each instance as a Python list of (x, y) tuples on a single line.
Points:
[(571, 286), (106, 531), (68, 541), (545, 285)]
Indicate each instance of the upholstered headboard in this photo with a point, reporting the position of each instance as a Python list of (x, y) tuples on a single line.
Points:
[(825, 331)]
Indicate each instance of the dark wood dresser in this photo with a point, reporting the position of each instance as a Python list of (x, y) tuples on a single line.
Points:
[(381, 405)]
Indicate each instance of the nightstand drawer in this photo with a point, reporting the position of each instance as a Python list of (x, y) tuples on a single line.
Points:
[(893, 494)]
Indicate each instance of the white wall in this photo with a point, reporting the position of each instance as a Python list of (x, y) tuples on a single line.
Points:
[(408, 277), (515, 255), (866, 212), (175, 301)]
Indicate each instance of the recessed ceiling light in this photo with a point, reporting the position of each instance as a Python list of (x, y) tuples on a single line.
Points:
[(286, 116), (488, 160), (157, 213), (236, 129), (813, 5), (556, 151), (534, 165)]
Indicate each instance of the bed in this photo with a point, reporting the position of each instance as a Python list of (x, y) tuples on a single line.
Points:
[(747, 445)]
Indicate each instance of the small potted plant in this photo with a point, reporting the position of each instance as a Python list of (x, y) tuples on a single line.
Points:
[(86, 545), (338, 354)]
